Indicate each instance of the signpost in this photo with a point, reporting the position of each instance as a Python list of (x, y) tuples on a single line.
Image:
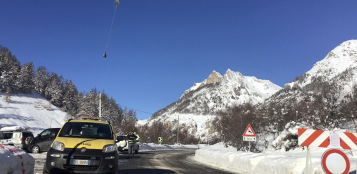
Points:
[(160, 139), (335, 161), (249, 135)]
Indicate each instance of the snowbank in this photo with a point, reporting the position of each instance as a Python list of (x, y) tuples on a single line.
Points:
[(153, 146), (16, 161), (31, 111), (274, 162)]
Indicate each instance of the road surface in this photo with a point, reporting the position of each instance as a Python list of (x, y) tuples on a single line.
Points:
[(152, 162), (164, 162)]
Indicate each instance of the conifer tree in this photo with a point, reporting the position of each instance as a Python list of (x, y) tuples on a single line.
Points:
[(42, 79), (54, 91), (9, 69), (70, 98), (26, 78)]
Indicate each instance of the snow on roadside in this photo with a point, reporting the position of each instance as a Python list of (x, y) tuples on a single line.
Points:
[(30, 111), (16, 161), (275, 162), (153, 146)]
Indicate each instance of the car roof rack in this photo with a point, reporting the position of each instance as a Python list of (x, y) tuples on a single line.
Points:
[(85, 117)]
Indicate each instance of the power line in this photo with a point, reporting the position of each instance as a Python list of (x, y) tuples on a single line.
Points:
[(137, 110)]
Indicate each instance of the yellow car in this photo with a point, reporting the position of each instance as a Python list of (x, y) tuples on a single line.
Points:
[(83, 146)]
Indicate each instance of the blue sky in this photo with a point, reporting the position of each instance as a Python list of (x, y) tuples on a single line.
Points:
[(159, 48)]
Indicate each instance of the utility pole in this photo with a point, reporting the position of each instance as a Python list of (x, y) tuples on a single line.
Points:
[(178, 123), (100, 105), (296, 116)]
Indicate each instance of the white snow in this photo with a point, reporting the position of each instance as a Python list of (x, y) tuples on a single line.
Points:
[(25, 111), (275, 162), (14, 160), (154, 146), (30, 111)]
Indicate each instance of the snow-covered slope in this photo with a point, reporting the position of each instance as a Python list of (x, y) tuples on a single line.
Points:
[(31, 111), (337, 61)]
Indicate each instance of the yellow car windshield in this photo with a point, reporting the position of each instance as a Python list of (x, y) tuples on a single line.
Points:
[(86, 130)]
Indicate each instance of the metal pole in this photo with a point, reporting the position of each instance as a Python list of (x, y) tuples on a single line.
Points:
[(178, 123), (100, 105)]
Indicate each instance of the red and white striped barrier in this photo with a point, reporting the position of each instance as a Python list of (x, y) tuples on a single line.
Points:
[(321, 138), (15, 160)]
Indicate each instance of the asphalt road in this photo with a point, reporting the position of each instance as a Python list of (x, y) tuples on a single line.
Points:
[(152, 162), (164, 162)]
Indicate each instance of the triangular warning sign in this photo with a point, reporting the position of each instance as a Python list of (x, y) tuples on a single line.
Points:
[(249, 131)]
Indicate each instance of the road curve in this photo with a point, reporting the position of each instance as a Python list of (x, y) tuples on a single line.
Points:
[(164, 162)]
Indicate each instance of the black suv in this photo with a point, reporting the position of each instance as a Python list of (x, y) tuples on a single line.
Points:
[(43, 141)]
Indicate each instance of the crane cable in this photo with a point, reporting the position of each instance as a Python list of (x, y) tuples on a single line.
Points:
[(111, 27)]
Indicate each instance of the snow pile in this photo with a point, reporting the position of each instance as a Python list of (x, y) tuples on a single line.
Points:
[(292, 162), (153, 146), (288, 138), (16, 161), (30, 111)]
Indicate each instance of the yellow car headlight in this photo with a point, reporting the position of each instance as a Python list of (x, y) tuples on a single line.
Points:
[(58, 146)]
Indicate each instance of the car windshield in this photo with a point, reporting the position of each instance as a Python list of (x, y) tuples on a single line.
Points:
[(86, 130)]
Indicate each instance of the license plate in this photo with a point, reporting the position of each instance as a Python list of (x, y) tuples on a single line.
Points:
[(81, 162)]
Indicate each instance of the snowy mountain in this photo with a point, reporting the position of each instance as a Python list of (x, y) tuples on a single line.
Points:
[(336, 74), (321, 90), (31, 111), (200, 103), (218, 92), (337, 61)]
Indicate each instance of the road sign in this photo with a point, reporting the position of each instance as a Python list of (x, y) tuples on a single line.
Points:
[(249, 134), (335, 161), (137, 137), (249, 138), (160, 139)]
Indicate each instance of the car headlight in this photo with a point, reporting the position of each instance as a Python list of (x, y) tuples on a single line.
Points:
[(58, 146), (109, 148)]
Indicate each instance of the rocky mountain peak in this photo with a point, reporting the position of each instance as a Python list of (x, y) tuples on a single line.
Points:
[(233, 76), (214, 77)]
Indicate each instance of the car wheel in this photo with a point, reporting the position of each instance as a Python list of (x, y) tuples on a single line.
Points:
[(28, 140), (35, 149)]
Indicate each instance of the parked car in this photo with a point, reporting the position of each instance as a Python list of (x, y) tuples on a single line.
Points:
[(15, 136), (122, 143), (43, 141)]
